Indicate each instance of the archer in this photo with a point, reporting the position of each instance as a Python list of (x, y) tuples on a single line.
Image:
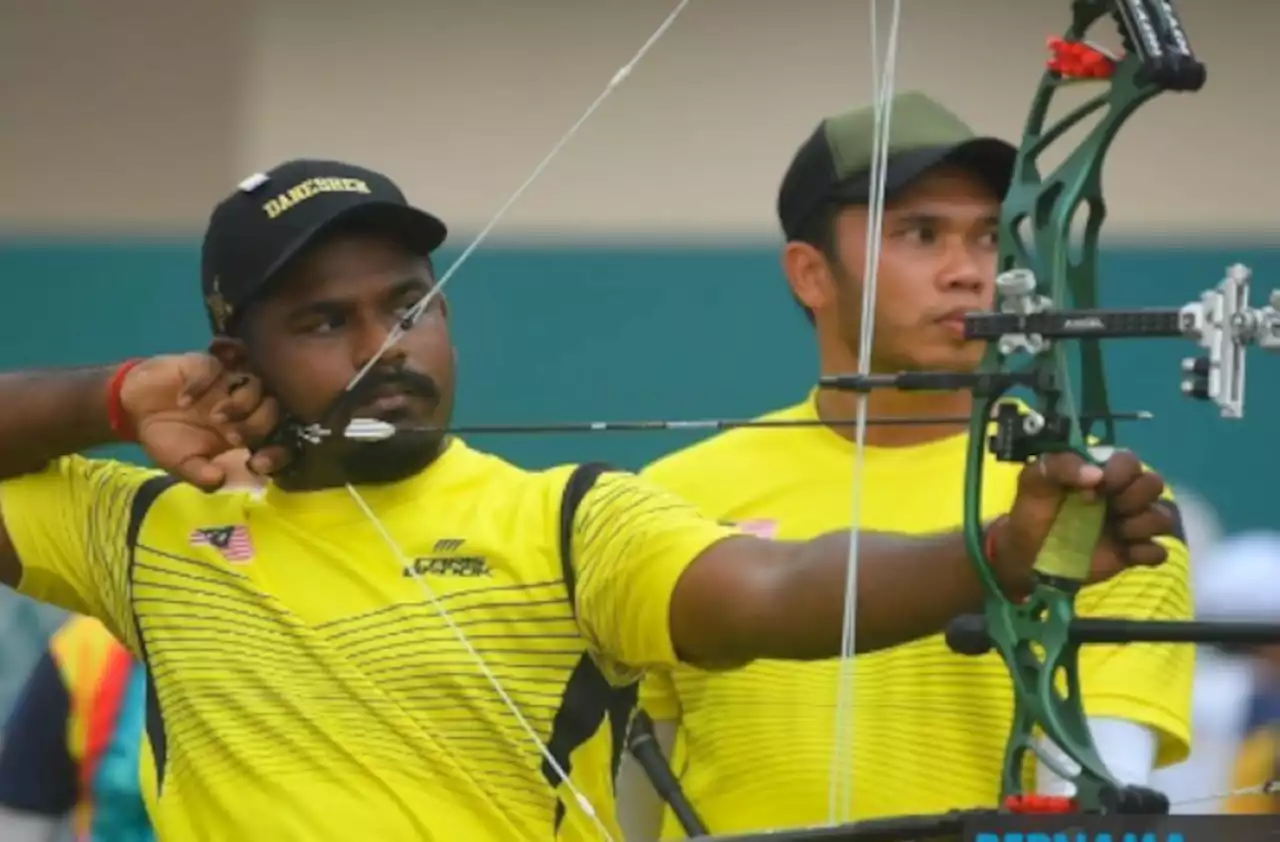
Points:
[(754, 748), (306, 683)]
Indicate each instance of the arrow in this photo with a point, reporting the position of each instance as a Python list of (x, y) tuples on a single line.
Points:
[(372, 429)]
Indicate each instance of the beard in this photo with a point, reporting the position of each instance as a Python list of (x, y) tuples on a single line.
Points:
[(403, 455), (336, 461), (416, 443)]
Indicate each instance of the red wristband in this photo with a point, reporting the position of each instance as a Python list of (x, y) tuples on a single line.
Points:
[(989, 538), (116, 416)]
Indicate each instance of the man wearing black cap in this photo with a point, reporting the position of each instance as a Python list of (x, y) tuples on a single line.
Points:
[(753, 747), (408, 639)]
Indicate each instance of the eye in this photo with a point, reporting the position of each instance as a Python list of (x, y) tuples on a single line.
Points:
[(324, 324), (407, 302), (989, 239), (921, 233)]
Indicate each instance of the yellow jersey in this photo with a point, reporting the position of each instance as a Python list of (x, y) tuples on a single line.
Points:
[(304, 687), (754, 746)]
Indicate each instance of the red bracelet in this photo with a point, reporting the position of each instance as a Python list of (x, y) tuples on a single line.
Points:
[(989, 538), (116, 416)]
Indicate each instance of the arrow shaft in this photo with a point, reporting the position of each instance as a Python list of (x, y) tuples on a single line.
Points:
[(718, 424)]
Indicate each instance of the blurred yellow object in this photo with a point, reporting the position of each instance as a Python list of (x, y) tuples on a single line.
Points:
[(1257, 761)]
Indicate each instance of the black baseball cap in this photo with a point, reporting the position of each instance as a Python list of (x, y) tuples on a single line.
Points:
[(834, 164), (273, 216)]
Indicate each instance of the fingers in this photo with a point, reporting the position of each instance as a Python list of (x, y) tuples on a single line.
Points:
[(1146, 554), (255, 428), (244, 395), (202, 472), (1135, 515), (1054, 473), (1151, 522), (200, 374), (1129, 487), (269, 459)]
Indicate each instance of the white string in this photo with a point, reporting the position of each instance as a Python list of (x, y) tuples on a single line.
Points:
[(840, 796), (398, 332), (415, 313), (581, 800), (1271, 787)]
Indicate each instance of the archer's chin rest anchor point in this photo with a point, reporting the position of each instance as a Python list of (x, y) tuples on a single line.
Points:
[(1224, 325)]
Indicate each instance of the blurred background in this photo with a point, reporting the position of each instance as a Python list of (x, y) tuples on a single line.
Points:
[(638, 278)]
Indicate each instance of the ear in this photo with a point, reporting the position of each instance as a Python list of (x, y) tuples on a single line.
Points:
[(231, 352), (808, 275)]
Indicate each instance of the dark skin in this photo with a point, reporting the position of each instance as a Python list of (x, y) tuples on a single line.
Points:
[(742, 598), (326, 319)]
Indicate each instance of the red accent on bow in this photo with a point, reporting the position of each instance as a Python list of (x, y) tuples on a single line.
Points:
[(1039, 804), (1078, 60)]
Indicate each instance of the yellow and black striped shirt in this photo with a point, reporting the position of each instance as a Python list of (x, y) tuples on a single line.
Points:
[(302, 685), (755, 746)]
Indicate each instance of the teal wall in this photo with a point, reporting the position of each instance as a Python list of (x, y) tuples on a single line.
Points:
[(649, 332)]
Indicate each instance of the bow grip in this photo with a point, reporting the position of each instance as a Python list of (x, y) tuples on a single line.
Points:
[(1067, 552)]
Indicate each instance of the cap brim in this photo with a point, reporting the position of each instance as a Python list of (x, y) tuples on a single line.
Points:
[(991, 159), (418, 230)]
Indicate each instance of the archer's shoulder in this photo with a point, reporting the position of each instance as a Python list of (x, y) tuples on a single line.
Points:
[(742, 451)]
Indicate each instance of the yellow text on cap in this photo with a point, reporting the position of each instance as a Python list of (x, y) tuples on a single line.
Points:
[(304, 190)]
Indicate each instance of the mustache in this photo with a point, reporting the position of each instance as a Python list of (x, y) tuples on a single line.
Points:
[(413, 383)]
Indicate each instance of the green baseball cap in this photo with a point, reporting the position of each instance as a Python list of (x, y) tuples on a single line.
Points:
[(834, 164)]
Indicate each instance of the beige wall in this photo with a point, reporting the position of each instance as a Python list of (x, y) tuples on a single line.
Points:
[(120, 119), (460, 99)]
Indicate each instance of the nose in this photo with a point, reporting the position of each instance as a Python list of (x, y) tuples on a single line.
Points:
[(968, 269), (381, 338)]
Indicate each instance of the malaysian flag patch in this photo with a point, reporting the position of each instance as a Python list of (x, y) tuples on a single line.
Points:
[(231, 541)]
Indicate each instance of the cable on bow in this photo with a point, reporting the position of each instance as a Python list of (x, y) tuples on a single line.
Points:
[(840, 796)]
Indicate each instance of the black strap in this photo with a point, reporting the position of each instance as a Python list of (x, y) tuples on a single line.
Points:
[(589, 699), (143, 500), (582, 480)]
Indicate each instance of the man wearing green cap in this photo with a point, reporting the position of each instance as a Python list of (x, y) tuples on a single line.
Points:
[(753, 748)]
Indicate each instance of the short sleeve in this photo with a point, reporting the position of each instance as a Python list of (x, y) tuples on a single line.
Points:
[(631, 543), (37, 774), (1147, 683), (69, 524)]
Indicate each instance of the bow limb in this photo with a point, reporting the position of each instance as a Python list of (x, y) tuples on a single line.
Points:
[(1043, 269)]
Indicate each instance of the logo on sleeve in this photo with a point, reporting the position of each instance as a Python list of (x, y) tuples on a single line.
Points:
[(231, 542)]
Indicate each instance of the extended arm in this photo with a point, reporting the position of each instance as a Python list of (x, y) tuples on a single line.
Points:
[(744, 598), (748, 598)]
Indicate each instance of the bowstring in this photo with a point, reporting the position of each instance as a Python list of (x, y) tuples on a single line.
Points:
[(415, 312), (840, 796), (406, 324)]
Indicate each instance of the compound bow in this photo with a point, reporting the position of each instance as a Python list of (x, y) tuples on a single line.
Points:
[(1046, 292)]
